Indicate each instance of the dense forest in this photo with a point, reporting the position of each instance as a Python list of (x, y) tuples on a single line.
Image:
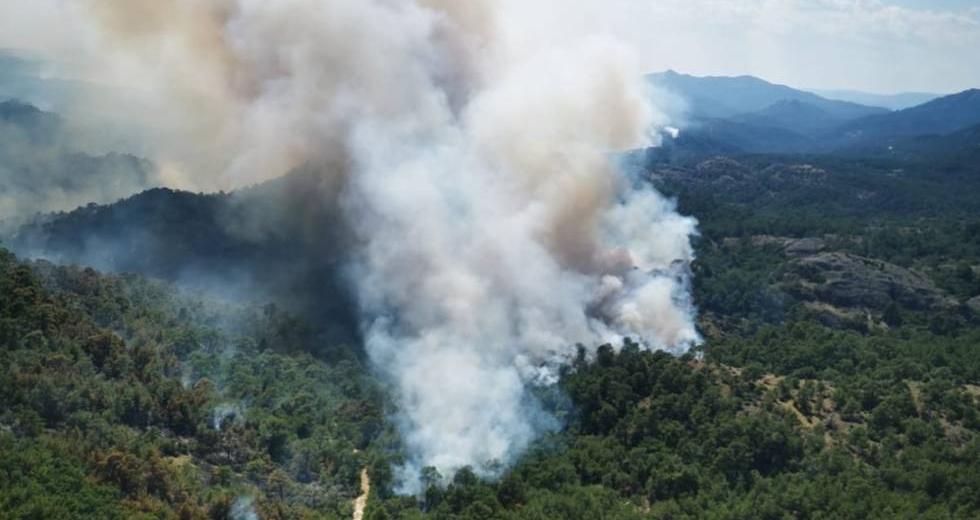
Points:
[(123, 399), (839, 378)]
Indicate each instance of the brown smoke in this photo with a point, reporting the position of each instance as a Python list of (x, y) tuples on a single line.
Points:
[(469, 144)]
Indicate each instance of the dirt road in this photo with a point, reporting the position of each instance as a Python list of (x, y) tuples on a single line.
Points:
[(361, 502)]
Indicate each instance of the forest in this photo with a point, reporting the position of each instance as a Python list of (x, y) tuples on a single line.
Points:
[(813, 395)]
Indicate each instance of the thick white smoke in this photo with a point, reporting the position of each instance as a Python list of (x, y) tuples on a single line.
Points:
[(494, 231), (499, 237)]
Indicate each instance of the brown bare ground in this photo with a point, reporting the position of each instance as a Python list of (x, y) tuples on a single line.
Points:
[(361, 502)]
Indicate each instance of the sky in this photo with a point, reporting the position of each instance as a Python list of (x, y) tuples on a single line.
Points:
[(938, 4), (882, 46)]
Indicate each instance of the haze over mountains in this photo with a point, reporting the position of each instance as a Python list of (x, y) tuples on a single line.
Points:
[(889, 101), (279, 226), (941, 116), (722, 96), (42, 172), (751, 115)]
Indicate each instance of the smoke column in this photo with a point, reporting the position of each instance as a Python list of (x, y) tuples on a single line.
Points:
[(493, 230)]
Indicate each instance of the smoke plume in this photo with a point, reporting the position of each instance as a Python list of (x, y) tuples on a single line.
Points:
[(472, 145), (243, 508)]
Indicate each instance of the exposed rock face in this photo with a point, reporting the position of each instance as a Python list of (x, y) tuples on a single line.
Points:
[(805, 246), (974, 303), (790, 246), (850, 281)]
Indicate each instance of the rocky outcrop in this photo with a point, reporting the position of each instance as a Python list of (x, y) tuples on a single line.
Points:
[(805, 246), (790, 246), (974, 303), (850, 281)]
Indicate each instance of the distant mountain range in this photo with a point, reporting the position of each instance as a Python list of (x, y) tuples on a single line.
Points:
[(941, 116), (42, 171), (751, 115), (725, 97), (890, 101)]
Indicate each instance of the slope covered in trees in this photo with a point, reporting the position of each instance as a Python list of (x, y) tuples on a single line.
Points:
[(123, 399)]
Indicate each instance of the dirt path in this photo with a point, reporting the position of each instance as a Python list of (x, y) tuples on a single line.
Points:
[(361, 502)]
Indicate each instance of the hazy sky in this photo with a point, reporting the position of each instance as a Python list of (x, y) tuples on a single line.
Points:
[(962, 5), (873, 45)]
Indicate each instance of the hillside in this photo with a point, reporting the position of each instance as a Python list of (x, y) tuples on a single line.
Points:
[(181, 407), (890, 101), (839, 376), (733, 136), (725, 97), (750, 115), (124, 399), (938, 117), (33, 124), (799, 116), (277, 240), (948, 152)]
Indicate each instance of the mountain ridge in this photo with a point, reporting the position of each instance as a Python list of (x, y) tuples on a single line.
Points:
[(727, 96), (940, 116), (751, 115), (898, 101)]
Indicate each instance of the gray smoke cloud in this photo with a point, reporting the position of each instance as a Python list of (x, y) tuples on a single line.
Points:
[(243, 508), (493, 230)]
